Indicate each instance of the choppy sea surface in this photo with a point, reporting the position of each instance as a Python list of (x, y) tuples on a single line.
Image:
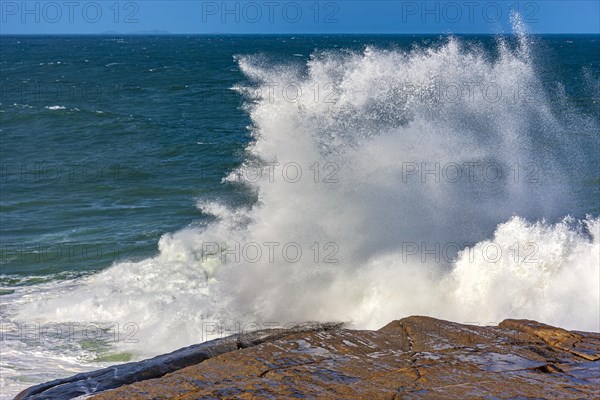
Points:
[(158, 191)]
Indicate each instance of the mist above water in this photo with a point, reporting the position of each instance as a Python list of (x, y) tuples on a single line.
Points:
[(434, 181)]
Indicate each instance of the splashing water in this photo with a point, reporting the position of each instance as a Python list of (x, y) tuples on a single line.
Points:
[(433, 183)]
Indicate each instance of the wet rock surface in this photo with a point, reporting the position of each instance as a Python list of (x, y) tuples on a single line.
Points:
[(415, 357), (123, 374)]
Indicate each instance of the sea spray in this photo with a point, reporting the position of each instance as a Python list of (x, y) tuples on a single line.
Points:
[(359, 162)]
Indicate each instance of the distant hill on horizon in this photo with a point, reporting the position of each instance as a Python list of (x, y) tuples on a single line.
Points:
[(151, 32)]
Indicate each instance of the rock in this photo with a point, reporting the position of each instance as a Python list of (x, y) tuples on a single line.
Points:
[(415, 357), (123, 374), (583, 345)]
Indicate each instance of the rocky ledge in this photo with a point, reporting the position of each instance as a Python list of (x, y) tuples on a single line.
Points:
[(411, 358)]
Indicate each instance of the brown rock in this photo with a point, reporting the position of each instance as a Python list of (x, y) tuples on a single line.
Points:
[(415, 357), (583, 345)]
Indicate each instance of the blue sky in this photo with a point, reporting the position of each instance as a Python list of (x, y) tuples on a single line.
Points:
[(300, 16)]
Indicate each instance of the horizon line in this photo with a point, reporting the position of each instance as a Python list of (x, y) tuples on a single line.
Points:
[(150, 33)]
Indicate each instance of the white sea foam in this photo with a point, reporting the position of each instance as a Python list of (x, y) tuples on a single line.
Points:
[(504, 252)]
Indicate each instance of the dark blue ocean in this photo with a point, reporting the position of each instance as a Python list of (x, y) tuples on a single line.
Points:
[(111, 145), (108, 142)]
